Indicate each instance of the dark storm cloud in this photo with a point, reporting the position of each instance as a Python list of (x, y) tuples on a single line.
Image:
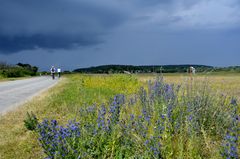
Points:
[(151, 2), (11, 45), (192, 14), (67, 24), (55, 24)]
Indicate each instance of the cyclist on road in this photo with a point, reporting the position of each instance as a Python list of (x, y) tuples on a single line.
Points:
[(52, 70)]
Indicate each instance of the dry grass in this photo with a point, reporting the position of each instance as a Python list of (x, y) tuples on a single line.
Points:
[(224, 84), (16, 141), (62, 103), (2, 79)]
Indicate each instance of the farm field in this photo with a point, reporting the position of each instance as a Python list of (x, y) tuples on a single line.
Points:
[(225, 83), (129, 116)]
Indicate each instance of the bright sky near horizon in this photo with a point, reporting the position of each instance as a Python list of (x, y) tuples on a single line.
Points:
[(81, 33)]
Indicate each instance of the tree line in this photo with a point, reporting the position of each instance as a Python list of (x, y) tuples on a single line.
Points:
[(108, 69), (143, 69), (18, 70)]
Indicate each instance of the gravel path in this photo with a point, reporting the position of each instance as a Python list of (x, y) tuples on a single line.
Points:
[(15, 93)]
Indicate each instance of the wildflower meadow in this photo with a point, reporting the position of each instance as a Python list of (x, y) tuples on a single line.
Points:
[(151, 120)]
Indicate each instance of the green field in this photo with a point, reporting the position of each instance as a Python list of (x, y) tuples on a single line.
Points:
[(190, 119)]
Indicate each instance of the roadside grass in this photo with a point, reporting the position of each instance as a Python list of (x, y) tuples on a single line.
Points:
[(16, 141), (189, 121), (61, 102), (223, 83), (2, 79)]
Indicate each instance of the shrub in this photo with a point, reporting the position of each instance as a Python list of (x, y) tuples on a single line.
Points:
[(20, 70), (31, 121), (13, 72)]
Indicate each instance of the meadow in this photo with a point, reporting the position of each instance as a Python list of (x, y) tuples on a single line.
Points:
[(128, 116)]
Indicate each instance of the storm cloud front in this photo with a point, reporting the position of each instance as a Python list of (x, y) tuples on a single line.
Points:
[(55, 24), (78, 33)]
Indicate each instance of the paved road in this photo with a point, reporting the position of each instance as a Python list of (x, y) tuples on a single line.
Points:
[(15, 93)]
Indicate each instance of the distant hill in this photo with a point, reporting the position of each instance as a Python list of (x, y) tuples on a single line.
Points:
[(144, 69)]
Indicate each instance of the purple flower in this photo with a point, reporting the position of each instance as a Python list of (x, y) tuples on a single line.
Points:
[(131, 117), (234, 101), (146, 142)]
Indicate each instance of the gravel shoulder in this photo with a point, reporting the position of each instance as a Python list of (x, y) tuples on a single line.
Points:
[(16, 93)]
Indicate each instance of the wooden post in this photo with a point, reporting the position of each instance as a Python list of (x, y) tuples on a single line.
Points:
[(191, 79)]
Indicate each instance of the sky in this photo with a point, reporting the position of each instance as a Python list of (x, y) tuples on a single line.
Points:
[(80, 33)]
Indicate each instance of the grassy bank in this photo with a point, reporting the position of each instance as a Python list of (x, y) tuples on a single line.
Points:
[(78, 92), (62, 102)]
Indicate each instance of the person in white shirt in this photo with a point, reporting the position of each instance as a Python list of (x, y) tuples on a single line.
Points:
[(59, 72), (192, 70)]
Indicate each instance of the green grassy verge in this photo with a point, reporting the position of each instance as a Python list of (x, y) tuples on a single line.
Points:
[(62, 102)]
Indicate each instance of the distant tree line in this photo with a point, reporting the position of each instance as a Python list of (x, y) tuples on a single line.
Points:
[(228, 69), (18, 70), (106, 69)]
